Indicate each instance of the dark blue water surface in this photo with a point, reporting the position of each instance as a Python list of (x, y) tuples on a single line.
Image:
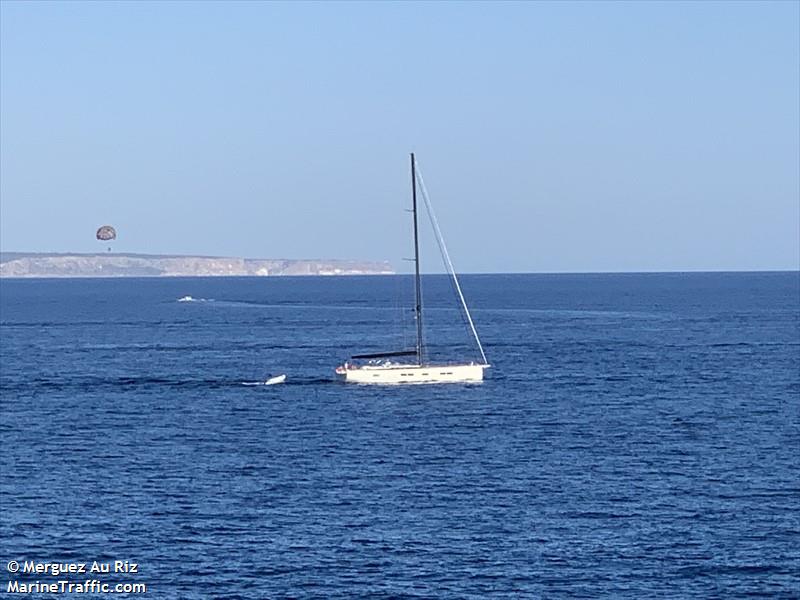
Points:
[(638, 437)]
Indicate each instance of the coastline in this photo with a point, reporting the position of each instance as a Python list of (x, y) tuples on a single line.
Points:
[(30, 265)]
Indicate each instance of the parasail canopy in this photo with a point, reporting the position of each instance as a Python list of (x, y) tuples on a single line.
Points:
[(106, 233)]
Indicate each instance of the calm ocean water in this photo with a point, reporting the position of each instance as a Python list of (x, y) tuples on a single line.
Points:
[(638, 437)]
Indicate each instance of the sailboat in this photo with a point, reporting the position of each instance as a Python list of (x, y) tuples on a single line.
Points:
[(387, 367)]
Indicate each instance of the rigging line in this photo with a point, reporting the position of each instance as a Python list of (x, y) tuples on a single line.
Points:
[(462, 316), (449, 263), (397, 315), (402, 294)]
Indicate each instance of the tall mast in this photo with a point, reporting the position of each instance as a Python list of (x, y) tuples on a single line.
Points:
[(417, 290)]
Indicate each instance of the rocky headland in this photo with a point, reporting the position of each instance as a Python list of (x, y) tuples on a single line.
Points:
[(28, 264)]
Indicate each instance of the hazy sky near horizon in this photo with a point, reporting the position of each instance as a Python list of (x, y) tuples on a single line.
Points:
[(552, 136)]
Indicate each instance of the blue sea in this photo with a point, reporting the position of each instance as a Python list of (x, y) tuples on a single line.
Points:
[(638, 437)]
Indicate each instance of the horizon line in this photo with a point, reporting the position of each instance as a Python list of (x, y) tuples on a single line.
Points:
[(794, 269)]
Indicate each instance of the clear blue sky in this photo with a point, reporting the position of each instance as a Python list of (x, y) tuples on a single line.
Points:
[(553, 136)]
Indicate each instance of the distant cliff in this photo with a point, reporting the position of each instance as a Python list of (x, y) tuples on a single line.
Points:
[(25, 264)]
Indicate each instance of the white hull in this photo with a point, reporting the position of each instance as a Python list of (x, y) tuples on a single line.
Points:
[(398, 374)]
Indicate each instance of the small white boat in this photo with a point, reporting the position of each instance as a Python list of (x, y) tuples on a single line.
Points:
[(186, 299), (380, 368), (276, 379)]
